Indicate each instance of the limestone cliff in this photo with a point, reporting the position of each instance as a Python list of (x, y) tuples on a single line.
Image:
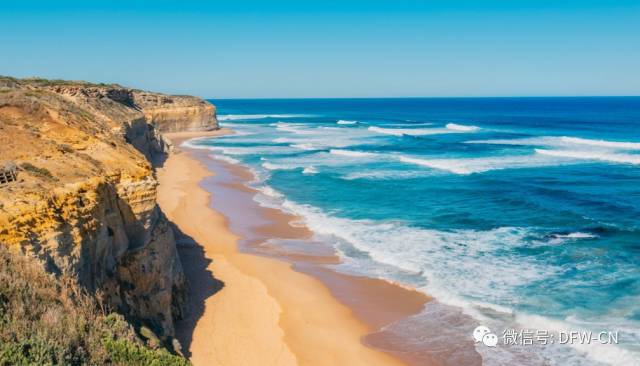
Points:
[(172, 114), (84, 202)]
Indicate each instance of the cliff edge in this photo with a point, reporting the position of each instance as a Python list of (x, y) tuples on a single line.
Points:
[(84, 201)]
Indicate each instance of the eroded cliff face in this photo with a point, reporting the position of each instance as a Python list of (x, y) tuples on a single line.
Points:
[(173, 114), (84, 203), (141, 115)]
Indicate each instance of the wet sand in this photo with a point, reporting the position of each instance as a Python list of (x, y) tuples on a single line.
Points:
[(249, 309)]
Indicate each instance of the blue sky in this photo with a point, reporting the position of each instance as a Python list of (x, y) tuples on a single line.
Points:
[(330, 48)]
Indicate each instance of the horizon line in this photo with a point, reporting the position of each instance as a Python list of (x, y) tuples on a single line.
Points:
[(427, 97)]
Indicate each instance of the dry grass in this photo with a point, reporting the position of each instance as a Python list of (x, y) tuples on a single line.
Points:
[(51, 321)]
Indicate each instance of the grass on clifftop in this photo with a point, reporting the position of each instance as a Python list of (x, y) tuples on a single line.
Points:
[(38, 81), (50, 321)]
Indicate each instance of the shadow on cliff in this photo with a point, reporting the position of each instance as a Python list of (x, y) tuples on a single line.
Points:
[(202, 285), (157, 159)]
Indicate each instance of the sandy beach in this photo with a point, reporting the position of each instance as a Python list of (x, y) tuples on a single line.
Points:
[(248, 309)]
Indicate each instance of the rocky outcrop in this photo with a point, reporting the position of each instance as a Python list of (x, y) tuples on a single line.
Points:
[(144, 115), (173, 114), (84, 202), (166, 113)]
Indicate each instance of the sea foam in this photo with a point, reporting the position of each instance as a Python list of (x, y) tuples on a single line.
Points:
[(465, 166), (295, 129), (465, 128), (224, 158), (409, 131), (487, 273), (592, 155), (310, 170), (564, 142), (304, 146), (272, 166), (351, 153), (451, 165), (430, 253), (236, 117), (386, 174), (602, 143), (576, 235), (450, 128), (483, 271)]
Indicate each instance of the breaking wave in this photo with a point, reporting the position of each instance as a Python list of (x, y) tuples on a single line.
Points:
[(310, 170), (410, 131), (303, 146), (224, 158), (240, 117), (480, 165), (592, 155), (464, 128), (562, 141), (355, 154)]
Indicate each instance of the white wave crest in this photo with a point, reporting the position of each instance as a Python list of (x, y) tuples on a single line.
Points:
[(602, 143), (236, 117), (457, 127), (404, 131), (282, 140), (343, 122), (310, 170), (414, 131), (409, 124), (304, 146), (272, 166), (450, 165), (465, 166), (563, 141), (385, 174), (296, 129), (224, 158), (355, 154), (257, 150), (269, 191), (430, 254), (576, 235), (592, 155), (330, 128), (529, 141)]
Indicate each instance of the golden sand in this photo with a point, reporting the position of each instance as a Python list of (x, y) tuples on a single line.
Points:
[(248, 309)]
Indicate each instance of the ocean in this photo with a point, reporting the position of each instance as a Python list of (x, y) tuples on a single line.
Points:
[(520, 213)]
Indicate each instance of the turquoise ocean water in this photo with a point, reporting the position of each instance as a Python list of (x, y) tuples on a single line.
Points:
[(516, 212)]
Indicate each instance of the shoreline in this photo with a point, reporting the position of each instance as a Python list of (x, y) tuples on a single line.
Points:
[(251, 309)]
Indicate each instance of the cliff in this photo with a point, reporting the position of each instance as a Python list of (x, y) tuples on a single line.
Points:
[(173, 114), (84, 201)]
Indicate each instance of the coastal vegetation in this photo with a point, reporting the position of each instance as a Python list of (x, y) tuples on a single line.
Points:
[(45, 320)]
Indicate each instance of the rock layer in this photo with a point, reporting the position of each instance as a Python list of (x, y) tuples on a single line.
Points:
[(174, 114), (85, 199)]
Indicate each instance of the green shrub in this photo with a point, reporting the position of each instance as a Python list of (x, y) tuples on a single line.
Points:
[(36, 171), (125, 352), (64, 148), (28, 352), (46, 320)]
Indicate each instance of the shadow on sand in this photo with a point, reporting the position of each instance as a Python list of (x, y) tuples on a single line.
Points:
[(202, 285)]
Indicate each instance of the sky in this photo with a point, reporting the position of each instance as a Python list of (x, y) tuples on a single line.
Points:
[(349, 48)]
